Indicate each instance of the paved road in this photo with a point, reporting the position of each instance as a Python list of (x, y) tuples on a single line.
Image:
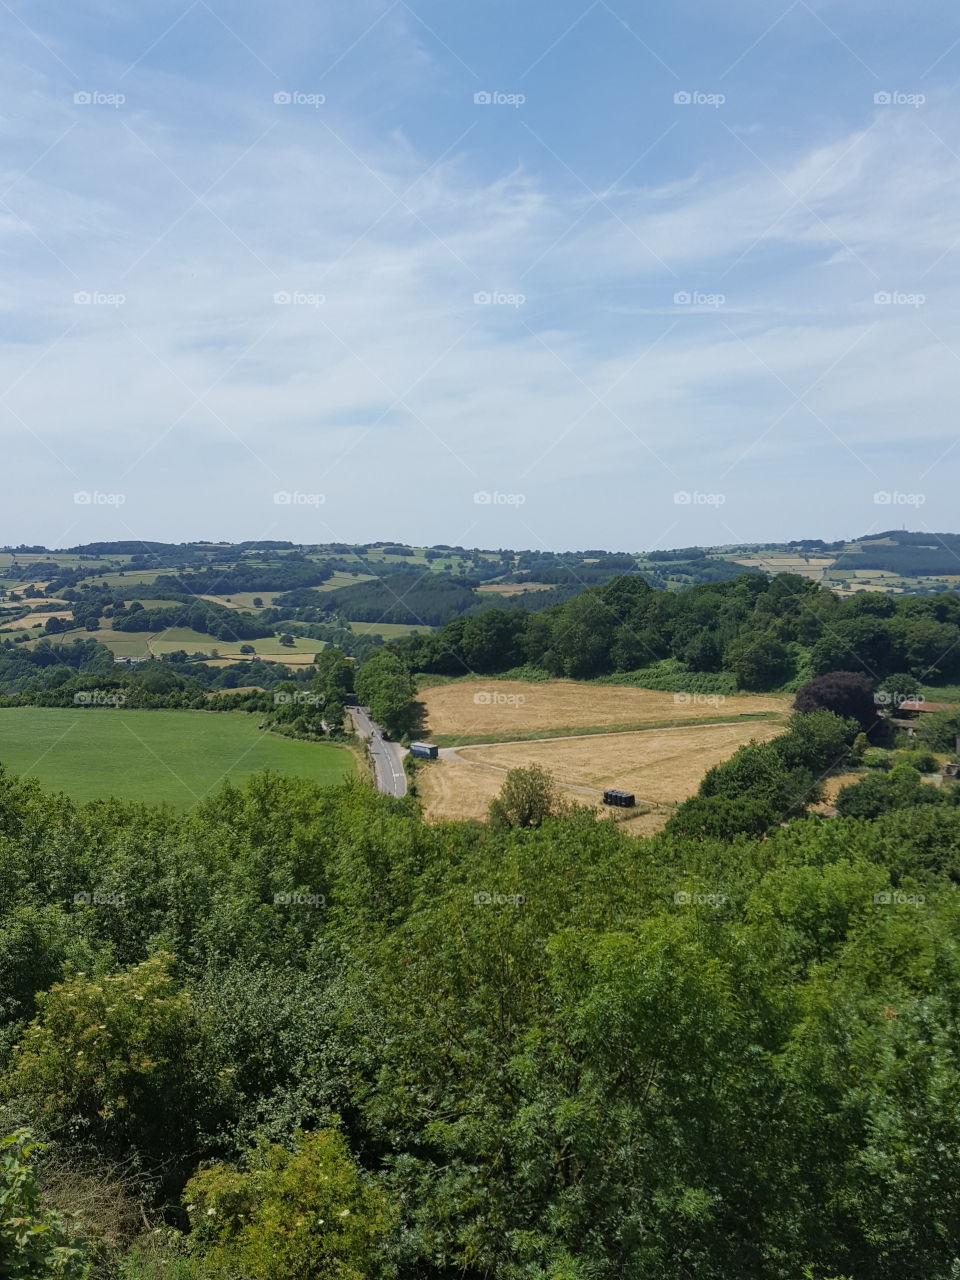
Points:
[(387, 757)]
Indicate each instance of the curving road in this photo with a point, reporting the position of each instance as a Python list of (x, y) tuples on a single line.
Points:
[(387, 757)]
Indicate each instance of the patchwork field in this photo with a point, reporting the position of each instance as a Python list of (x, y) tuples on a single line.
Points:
[(34, 620), (172, 756), (141, 644), (660, 766), (476, 710)]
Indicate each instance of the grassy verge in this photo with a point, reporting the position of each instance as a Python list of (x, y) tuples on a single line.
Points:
[(537, 735)]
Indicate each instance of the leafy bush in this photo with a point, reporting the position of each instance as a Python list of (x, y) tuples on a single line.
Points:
[(307, 1214), (875, 758), (35, 1244)]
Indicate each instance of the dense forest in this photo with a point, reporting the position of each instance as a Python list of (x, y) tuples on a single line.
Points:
[(300, 1033), (753, 632)]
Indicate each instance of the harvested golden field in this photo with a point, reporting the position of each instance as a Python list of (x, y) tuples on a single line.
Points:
[(33, 619), (660, 766), (514, 588), (475, 709)]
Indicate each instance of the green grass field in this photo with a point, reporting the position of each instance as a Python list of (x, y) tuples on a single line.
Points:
[(172, 756)]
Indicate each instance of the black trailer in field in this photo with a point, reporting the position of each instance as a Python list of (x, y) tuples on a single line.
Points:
[(622, 799)]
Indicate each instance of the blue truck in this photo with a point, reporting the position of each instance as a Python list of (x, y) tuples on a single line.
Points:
[(423, 750)]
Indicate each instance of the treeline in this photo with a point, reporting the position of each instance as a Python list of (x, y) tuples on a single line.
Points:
[(766, 632), (199, 615), (298, 1032), (50, 675)]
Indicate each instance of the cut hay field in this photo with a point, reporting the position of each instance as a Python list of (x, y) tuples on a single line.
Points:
[(389, 630), (152, 756), (660, 766), (35, 619), (514, 588), (481, 710)]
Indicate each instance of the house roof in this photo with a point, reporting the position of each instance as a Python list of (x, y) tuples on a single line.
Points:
[(927, 706)]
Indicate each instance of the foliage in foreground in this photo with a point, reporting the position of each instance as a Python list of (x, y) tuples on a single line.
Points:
[(554, 1051)]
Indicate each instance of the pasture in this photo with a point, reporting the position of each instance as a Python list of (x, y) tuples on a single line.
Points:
[(151, 756)]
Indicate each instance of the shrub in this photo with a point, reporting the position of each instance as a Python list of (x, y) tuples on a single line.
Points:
[(306, 1214), (35, 1244), (875, 758)]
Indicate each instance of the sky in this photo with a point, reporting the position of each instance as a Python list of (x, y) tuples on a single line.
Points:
[(553, 275)]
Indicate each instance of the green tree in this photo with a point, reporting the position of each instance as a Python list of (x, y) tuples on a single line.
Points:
[(527, 798), (118, 1061), (306, 1214)]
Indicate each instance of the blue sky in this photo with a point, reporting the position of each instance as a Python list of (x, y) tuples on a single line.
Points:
[(675, 276)]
